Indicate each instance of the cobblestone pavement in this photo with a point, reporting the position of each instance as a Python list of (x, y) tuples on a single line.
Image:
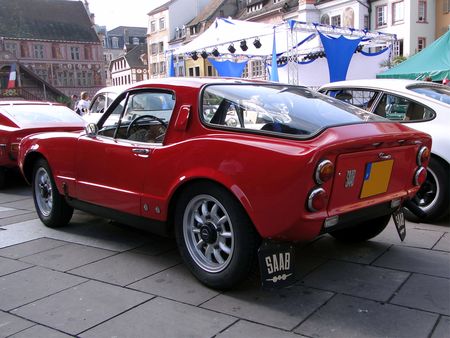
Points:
[(95, 278)]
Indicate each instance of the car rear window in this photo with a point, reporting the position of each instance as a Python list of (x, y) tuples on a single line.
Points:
[(40, 115), (291, 110), (440, 93)]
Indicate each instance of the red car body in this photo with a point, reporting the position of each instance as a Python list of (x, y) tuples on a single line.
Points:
[(21, 118), (272, 175)]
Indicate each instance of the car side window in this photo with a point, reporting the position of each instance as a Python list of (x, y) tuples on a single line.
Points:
[(399, 108), (362, 98), (99, 104)]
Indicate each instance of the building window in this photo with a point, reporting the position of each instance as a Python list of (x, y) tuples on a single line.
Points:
[(56, 51), (325, 19), (154, 68), (24, 51), (397, 12), (422, 11), (161, 47), (180, 71), (398, 48), (11, 47), (210, 71), (381, 16), (153, 26), (115, 42), (38, 51), (154, 48), (162, 67), (191, 71), (421, 43), (193, 30), (257, 68), (88, 53), (162, 23), (366, 22), (194, 71), (336, 21), (135, 41), (445, 6), (348, 17), (75, 53)]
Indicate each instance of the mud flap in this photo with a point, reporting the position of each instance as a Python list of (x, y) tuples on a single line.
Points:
[(399, 220), (276, 264)]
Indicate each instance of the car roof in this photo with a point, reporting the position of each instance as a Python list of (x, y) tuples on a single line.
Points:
[(31, 103), (400, 85)]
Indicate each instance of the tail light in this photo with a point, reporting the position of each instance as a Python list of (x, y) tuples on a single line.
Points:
[(423, 156), (324, 171), (317, 199), (420, 176)]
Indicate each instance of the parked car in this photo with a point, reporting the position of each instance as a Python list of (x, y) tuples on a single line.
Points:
[(164, 158), (424, 106), (21, 118), (101, 100)]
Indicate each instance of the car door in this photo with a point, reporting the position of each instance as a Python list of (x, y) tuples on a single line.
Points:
[(111, 166)]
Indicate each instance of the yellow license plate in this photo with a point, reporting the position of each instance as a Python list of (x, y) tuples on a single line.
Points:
[(376, 178)]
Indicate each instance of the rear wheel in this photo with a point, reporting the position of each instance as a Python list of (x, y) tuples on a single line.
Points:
[(51, 207), (216, 238), (362, 231), (434, 194)]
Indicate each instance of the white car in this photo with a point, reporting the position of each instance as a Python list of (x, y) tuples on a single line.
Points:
[(101, 100), (424, 106)]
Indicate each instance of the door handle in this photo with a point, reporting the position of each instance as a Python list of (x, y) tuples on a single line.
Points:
[(141, 151)]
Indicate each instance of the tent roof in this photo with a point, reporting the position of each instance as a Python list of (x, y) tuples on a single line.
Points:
[(433, 61)]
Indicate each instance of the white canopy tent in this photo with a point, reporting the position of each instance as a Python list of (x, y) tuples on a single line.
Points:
[(293, 41)]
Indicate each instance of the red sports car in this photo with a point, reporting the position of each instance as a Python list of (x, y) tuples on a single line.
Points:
[(21, 118), (294, 165)]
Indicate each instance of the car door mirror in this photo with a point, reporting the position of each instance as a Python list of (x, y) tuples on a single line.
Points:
[(91, 130)]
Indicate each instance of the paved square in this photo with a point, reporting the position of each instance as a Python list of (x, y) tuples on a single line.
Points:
[(81, 307)]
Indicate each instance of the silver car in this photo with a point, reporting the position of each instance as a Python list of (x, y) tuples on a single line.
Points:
[(424, 106)]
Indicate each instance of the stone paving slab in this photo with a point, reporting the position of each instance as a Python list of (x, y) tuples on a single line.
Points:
[(156, 246), (442, 329), (430, 262), (163, 318), (84, 229), (425, 293), (10, 324), (81, 307), (126, 268), (13, 212), (23, 204), (8, 266), (351, 317), (39, 331), (444, 243), (414, 237), (247, 329), (30, 248), (18, 219), (328, 247), (176, 283), (26, 286), (67, 257), (356, 280), (282, 309)]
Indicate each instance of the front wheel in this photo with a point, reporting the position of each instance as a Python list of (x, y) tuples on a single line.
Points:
[(362, 231), (51, 207), (215, 237)]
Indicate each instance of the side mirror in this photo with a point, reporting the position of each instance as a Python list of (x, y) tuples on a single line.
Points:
[(91, 130)]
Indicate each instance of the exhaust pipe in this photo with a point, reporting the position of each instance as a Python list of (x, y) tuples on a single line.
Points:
[(415, 209)]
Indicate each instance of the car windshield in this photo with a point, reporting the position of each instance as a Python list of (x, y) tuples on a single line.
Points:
[(277, 108), (38, 115), (440, 93)]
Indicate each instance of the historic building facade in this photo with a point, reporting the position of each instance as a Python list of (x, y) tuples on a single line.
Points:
[(55, 41)]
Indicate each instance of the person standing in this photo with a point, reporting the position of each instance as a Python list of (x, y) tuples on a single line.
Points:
[(83, 104)]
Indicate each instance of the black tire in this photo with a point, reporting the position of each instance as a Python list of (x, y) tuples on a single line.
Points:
[(434, 195), (362, 231), (51, 207), (209, 215), (2, 177)]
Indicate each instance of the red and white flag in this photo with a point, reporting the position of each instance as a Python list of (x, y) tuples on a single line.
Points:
[(12, 77)]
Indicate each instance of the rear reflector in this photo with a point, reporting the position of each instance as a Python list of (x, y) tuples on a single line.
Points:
[(423, 156), (324, 171), (317, 199), (420, 176)]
